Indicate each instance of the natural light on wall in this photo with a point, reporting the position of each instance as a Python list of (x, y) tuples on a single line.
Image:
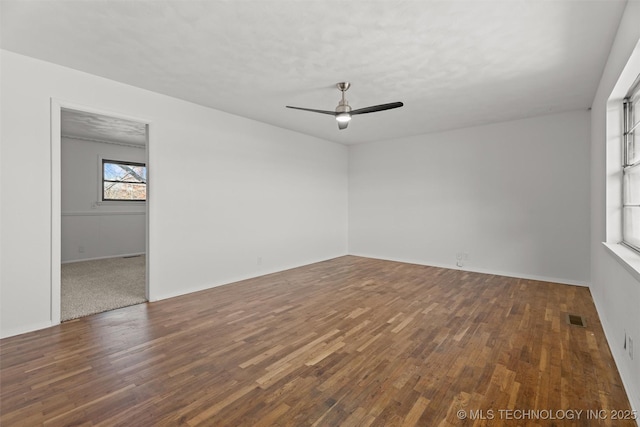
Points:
[(623, 168)]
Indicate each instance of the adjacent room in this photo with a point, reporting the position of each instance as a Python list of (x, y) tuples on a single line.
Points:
[(103, 213), (315, 213)]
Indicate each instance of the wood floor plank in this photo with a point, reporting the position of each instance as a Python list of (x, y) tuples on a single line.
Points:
[(349, 341)]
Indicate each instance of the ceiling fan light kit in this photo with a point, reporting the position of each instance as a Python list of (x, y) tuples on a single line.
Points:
[(343, 117), (343, 111)]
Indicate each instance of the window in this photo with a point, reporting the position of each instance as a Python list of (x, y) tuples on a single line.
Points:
[(123, 181), (631, 169)]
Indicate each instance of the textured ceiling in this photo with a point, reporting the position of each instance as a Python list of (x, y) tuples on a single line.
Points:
[(453, 63), (79, 124)]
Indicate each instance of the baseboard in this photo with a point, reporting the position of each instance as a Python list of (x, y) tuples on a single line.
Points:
[(633, 394), (480, 270), (104, 257), (285, 268), (25, 329), (204, 287)]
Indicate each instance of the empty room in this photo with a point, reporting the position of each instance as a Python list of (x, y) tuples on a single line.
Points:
[(390, 213)]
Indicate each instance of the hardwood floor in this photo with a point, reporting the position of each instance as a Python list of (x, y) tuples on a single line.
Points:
[(350, 341)]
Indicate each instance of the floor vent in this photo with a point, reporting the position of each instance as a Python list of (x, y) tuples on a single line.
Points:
[(575, 320)]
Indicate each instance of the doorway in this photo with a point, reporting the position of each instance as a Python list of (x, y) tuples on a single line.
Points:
[(99, 211)]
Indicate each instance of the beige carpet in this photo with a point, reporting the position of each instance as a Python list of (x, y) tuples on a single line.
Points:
[(90, 287)]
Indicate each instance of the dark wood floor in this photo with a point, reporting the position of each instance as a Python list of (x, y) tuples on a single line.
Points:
[(351, 341)]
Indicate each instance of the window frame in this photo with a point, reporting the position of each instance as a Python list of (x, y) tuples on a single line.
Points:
[(630, 132), (102, 198)]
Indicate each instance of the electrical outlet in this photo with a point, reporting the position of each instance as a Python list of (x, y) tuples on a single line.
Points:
[(81, 249)]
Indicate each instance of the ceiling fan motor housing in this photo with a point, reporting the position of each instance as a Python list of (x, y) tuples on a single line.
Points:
[(343, 107)]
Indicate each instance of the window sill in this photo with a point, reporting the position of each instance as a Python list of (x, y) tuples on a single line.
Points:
[(121, 203), (628, 258)]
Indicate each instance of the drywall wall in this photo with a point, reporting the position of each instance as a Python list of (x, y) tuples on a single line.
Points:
[(615, 290), (229, 198), (508, 198), (93, 229)]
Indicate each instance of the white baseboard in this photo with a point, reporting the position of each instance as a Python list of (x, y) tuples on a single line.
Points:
[(632, 393), (104, 257), (481, 270), (26, 328), (236, 279)]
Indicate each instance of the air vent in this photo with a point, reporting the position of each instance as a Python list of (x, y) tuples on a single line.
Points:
[(576, 320)]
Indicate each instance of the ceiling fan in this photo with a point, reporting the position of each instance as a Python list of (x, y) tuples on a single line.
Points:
[(344, 112)]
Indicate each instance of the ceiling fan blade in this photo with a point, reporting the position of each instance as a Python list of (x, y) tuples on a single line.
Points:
[(343, 125), (375, 108), (332, 113)]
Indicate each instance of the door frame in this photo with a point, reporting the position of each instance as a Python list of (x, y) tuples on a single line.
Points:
[(56, 193)]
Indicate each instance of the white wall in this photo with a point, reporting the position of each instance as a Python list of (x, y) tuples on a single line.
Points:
[(92, 229), (615, 291), (511, 195), (252, 190), (514, 196)]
